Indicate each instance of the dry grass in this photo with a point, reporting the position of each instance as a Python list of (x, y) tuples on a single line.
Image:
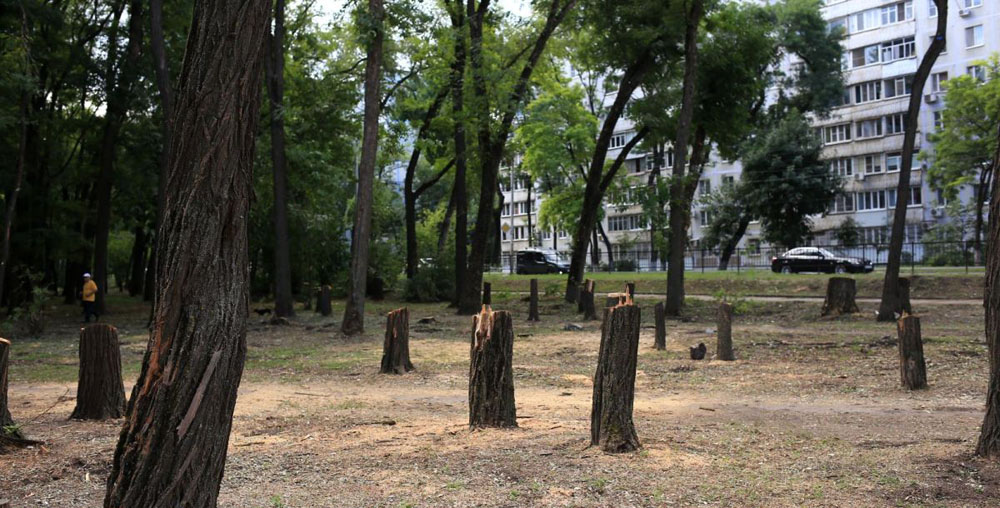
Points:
[(811, 414)]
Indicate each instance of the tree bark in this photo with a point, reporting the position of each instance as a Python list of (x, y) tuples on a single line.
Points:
[(611, 425), (137, 264), (680, 207), (118, 87), (173, 445), (409, 194), (587, 300), (275, 70), (491, 375), (100, 394), (912, 370), (840, 294), (323, 301), (891, 295), (6, 421), (158, 49), (730, 245), (533, 302), (354, 310), (22, 147), (989, 437), (724, 333), (457, 82), (487, 294), (660, 342), (396, 348)]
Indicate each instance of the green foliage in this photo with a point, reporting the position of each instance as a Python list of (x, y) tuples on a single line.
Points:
[(726, 207), (741, 305), (28, 320), (847, 233), (944, 243)]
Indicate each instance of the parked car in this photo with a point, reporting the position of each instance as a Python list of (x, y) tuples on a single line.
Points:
[(537, 261), (814, 259)]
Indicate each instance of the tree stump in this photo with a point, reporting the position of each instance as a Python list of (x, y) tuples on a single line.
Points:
[(840, 295), (533, 304), (581, 296), (660, 342), (396, 348), (99, 393), (6, 421), (724, 333), (614, 299), (912, 369), (611, 425), (587, 300), (491, 376), (630, 290), (487, 294), (323, 301)]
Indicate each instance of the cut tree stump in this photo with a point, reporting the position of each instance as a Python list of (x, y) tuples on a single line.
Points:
[(611, 425), (581, 295), (630, 290), (6, 421), (912, 369), (323, 301), (533, 303), (396, 348), (487, 294), (491, 375), (660, 342), (724, 333), (614, 299), (587, 300), (99, 394), (840, 297)]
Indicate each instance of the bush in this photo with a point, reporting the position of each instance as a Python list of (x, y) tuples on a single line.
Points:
[(28, 320), (433, 283), (625, 265)]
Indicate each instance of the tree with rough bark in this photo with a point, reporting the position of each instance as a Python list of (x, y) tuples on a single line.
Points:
[(275, 71), (891, 304), (354, 312), (100, 393), (491, 374), (172, 448), (396, 347), (840, 297), (989, 436), (611, 425)]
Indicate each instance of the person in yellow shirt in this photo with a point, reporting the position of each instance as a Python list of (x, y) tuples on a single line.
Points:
[(89, 299)]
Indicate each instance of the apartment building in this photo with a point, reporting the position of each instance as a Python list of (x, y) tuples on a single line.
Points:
[(862, 136)]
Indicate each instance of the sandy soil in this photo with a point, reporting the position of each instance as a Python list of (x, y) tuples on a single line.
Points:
[(810, 414)]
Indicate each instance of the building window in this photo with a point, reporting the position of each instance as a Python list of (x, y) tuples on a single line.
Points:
[(867, 55), (704, 187), (937, 81), (868, 128), (843, 203), (871, 200), (626, 222), (897, 87), (842, 167), (705, 217), (968, 4), (977, 72), (867, 92), (898, 49), (872, 163), (894, 124), (728, 181), (546, 234), (893, 161), (974, 36), (915, 197), (506, 210), (619, 140), (563, 234), (938, 121), (931, 9), (837, 133)]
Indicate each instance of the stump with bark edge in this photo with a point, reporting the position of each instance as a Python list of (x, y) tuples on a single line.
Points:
[(491, 374), (100, 394), (724, 333), (6, 421), (396, 348), (323, 301), (587, 300), (660, 316), (840, 297), (611, 425), (533, 302), (912, 368)]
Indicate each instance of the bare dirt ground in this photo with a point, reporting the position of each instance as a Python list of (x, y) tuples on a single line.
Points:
[(811, 414)]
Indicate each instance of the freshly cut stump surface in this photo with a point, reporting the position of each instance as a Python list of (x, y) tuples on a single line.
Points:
[(491, 374), (396, 348)]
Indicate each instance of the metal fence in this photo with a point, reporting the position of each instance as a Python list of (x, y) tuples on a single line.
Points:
[(962, 254)]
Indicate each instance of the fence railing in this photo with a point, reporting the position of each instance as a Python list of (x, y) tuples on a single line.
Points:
[(953, 254)]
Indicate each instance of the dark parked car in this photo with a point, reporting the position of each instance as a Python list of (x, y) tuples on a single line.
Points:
[(814, 259), (536, 261)]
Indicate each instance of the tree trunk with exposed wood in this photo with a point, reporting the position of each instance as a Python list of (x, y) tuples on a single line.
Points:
[(172, 448), (396, 348), (100, 393), (989, 437), (840, 296), (491, 374), (611, 425), (912, 369)]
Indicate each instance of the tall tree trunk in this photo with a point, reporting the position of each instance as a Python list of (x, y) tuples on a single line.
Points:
[(118, 86), (607, 245), (680, 207), (461, 157), (409, 194), (275, 68), (158, 49), (8, 219), (492, 141), (730, 244), (446, 224), (6, 421), (593, 193), (172, 448), (531, 208), (137, 264), (354, 313), (989, 437), (891, 303)]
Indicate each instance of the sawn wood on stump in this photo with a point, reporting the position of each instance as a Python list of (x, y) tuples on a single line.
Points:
[(611, 425), (912, 368), (491, 375), (396, 348), (840, 297)]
